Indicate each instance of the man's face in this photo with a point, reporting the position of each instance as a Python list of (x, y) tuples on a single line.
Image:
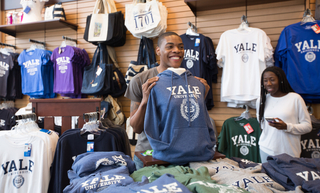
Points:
[(171, 51)]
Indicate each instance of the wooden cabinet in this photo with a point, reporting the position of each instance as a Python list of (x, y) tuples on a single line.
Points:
[(66, 108)]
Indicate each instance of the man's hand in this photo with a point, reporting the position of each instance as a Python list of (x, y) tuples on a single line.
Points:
[(146, 88), (138, 110), (204, 82)]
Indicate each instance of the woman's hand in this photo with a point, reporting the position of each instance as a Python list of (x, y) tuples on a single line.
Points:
[(278, 124)]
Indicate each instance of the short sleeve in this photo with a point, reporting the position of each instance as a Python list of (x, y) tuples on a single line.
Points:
[(21, 58), (45, 57), (11, 64), (281, 49), (221, 48), (53, 55), (134, 90)]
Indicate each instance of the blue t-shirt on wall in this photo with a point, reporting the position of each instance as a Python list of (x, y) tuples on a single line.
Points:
[(31, 63), (298, 54)]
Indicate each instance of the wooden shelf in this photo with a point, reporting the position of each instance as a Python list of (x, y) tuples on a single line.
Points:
[(36, 26), (205, 5), (66, 108)]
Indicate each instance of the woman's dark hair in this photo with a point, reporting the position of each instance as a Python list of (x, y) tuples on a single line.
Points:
[(284, 87)]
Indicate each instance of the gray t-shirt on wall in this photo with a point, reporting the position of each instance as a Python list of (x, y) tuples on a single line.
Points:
[(134, 93)]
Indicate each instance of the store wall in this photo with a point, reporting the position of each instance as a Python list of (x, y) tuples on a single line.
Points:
[(272, 18)]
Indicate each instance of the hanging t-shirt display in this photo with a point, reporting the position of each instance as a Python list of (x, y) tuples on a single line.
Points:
[(69, 63), (235, 141), (14, 80), (297, 53), (6, 64), (243, 55), (6, 122), (310, 142), (195, 51), (31, 62), (199, 59), (47, 78), (63, 70)]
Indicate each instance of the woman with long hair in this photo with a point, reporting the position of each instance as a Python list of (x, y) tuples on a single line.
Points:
[(282, 114)]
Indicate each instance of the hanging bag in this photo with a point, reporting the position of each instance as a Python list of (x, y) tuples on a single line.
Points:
[(142, 17), (97, 76), (146, 19), (146, 59), (55, 11), (118, 83), (105, 25), (115, 115), (98, 27)]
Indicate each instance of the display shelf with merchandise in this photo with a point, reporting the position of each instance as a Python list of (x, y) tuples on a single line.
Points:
[(13, 29), (205, 5)]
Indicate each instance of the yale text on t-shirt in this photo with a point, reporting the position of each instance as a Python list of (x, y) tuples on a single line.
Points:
[(247, 47), (191, 54), (15, 166), (307, 45)]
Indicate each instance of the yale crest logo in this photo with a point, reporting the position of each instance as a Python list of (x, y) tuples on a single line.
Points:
[(18, 181), (189, 110)]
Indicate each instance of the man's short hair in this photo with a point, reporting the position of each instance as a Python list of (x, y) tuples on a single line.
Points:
[(162, 36)]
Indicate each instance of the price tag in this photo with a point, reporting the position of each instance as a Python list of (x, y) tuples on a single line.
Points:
[(99, 70), (197, 43), (27, 10), (316, 28), (148, 152), (90, 146), (248, 128), (46, 131), (27, 149)]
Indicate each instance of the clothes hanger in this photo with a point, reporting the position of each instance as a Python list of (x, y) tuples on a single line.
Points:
[(4, 51), (192, 30), (25, 123), (36, 45), (244, 115), (68, 41), (32, 47), (312, 117), (92, 126), (307, 17), (7, 49), (244, 26)]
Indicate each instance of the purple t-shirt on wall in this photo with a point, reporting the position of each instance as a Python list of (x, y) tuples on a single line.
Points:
[(63, 70)]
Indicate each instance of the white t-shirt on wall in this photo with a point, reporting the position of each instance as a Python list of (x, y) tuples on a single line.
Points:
[(243, 55), (34, 14)]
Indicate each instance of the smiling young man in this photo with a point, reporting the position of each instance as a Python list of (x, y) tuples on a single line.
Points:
[(171, 51)]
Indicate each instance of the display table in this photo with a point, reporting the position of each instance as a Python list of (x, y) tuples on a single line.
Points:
[(149, 160)]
